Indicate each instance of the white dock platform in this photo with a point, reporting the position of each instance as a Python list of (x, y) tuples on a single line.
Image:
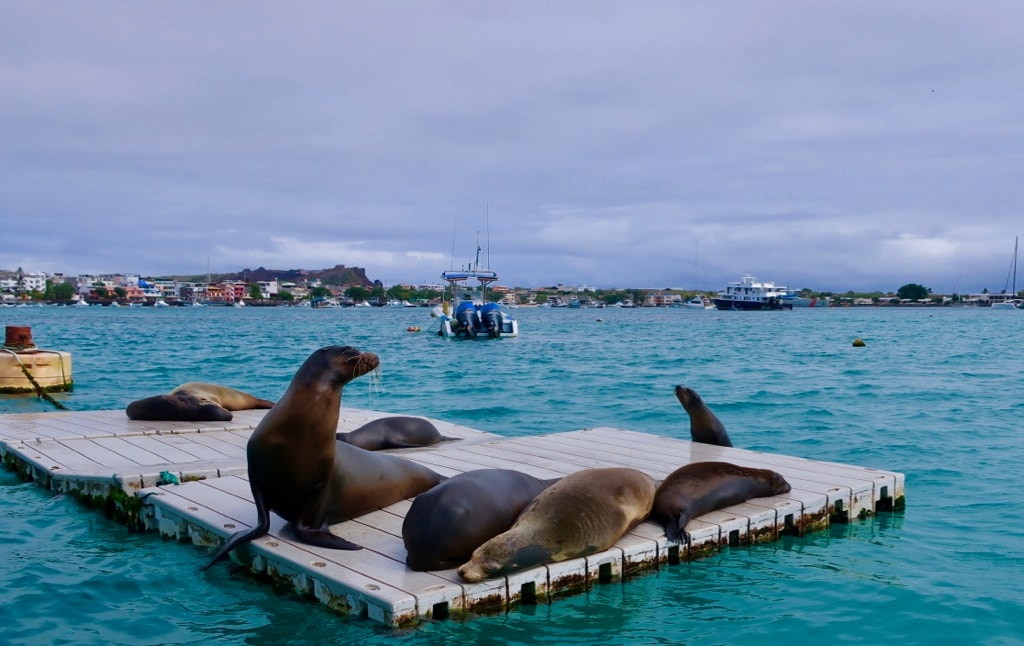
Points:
[(107, 459)]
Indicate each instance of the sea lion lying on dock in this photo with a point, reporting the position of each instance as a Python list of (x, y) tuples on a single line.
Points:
[(445, 524), (583, 513), (700, 487), (194, 402), (395, 432)]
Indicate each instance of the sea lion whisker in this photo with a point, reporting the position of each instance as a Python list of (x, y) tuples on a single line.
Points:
[(374, 381)]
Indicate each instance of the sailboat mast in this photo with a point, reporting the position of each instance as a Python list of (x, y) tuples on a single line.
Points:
[(1015, 239)]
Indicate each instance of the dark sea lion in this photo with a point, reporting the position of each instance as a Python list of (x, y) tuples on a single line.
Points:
[(194, 402), (583, 513), (701, 487), (445, 524), (298, 470), (396, 432), (705, 427)]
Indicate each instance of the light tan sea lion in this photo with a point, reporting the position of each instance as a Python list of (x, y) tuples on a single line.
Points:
[(194, 402), (444, 525), (583, 513), (705, 427), (299, 471), (701, 487)]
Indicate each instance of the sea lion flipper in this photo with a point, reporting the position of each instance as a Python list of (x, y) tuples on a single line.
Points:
[(262, 527), (675, 529), (323, 537), (234, 541)]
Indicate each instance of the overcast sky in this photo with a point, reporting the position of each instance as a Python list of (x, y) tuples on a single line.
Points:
[(832, 145)]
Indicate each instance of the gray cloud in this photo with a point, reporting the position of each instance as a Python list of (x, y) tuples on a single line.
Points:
[(858, 146)]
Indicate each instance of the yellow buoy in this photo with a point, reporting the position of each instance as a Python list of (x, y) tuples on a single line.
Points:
[(858, 343)]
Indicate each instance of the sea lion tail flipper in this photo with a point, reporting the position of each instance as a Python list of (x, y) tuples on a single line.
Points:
[(323, 537), (445, 438), (262, 526), (234, 541)]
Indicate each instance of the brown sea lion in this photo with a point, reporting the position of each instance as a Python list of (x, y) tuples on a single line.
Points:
[(299, 471), (395, 432), (701, 487), (583, 513), (194, 402), (705, 427), (445, 524)]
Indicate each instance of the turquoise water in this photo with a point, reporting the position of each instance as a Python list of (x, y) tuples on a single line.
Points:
[(935, 394)]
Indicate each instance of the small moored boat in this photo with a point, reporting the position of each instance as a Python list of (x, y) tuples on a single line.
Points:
[(465, 311), (699, 302)]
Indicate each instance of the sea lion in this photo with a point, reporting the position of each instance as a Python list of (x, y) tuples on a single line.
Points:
[(396, 432), (700, 487), (298, 470), (705, 427), (445, 524), (583, 513), (194, 402)]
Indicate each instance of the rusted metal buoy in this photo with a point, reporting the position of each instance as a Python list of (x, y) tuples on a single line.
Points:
[(19, 337)]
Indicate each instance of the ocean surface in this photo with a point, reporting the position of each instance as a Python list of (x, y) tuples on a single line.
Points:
[(937, 394)]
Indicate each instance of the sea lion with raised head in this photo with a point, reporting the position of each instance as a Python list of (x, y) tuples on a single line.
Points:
[(445, 524), (395, 432), (298, 469), (700, 487), (194, 402), (705, 427), (583, 513)]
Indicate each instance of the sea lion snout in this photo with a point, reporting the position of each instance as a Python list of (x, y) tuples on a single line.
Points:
[(686, 396), (779, 484), (365, 362)]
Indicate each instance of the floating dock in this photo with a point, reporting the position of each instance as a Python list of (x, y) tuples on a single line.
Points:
[(187, 481)]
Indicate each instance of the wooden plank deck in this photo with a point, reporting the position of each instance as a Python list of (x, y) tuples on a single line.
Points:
[(103, 456)]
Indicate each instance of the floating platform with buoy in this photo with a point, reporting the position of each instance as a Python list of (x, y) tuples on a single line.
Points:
[(24, 368)]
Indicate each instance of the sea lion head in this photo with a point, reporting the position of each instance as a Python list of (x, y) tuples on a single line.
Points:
[(345, 363), (687, 396), (503, 553), (777, 482)]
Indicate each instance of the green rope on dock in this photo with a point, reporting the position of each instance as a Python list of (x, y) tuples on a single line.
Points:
[(40, 392), (166, 477)]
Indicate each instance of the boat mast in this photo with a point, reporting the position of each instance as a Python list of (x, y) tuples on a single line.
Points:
[(1015, 266)]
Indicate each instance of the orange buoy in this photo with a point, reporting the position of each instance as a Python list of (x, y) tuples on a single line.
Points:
[(413, 328)]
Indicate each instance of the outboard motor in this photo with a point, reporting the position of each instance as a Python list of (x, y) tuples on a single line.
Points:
[(467, 319), (493, 319)]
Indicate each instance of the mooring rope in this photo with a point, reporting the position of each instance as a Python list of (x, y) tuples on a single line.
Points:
[(42, 394)]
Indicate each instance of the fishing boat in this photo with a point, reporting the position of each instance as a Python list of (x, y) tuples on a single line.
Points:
[(465, 312), (794, 299), (748, 294), (1011, 303), (699, 302)]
